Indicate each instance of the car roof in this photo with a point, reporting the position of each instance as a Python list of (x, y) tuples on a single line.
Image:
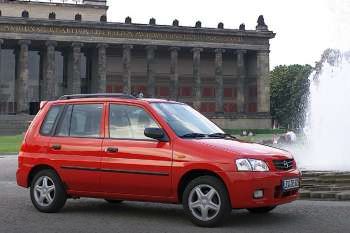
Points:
[(109, 98)]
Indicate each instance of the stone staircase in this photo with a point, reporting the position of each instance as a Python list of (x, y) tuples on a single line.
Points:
[(318, 185), (14, 124)]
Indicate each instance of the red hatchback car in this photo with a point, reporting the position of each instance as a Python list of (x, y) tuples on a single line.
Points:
[(118, 147)]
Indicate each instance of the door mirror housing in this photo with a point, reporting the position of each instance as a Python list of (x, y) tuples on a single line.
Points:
[(156, 133)]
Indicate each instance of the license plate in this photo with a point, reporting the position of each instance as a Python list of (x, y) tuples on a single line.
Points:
[(290, 184)]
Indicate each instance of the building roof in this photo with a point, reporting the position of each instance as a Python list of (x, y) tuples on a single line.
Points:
[(66, 3)]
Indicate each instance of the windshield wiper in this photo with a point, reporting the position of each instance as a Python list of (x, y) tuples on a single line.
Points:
[(221, 135), (214, 135), (193, 135)]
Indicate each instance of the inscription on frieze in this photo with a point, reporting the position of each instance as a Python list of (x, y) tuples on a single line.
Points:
[(116, 33)]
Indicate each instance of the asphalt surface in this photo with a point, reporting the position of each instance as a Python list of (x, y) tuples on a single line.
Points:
[(90, 215)]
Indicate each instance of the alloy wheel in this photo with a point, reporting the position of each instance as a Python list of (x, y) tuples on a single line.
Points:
[(44, 191), (204, 202)]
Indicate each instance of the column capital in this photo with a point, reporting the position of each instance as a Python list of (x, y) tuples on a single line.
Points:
[(262, 52), (77, 44), (151, 47), (102, 45), (197, 50), (24, 42), (51, 43), (128, 46), (240, 51), (219, 50), (174, 48)]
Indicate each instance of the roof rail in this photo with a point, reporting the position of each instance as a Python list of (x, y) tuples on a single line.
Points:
[(99, 95)]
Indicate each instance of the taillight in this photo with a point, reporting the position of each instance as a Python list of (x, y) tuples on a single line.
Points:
[(19, 161)]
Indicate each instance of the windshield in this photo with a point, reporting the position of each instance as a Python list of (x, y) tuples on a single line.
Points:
[(184, 120)]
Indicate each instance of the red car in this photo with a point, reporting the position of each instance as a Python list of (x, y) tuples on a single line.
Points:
[(118, 147)]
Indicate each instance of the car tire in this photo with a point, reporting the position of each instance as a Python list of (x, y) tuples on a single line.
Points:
[(47, 192), (261, 210), (113, 201), (206, 201)]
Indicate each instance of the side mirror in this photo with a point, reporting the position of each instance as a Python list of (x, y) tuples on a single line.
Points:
[(156, 133)]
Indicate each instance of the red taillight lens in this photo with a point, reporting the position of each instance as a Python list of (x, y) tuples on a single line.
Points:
[(20, 161)]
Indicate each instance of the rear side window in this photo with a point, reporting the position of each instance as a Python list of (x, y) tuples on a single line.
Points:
[(81, 121), (63, 129), (50, 120)]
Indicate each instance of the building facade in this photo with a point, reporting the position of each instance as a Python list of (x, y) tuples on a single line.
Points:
[(45, 54)]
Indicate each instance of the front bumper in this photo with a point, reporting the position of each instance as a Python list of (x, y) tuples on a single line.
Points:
[(244, 184)]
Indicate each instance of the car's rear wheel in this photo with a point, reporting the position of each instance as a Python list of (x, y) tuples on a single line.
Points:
[(261, 210), (47, 192), (206, 201), (113, 201)]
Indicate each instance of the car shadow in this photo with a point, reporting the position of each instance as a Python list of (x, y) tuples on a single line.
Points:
[(243, 218), (172, 214)]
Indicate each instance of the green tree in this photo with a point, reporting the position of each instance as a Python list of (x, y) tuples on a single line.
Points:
[(289, 94)]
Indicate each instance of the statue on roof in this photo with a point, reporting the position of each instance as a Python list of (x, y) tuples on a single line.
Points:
[(261, 24), (261, 21)]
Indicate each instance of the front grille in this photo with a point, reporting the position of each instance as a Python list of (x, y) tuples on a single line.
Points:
[(284, 165)]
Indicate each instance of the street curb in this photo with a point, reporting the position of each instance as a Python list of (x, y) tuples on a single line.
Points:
[(8, 154)]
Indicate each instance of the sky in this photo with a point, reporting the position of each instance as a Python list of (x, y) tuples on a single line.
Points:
[(304, 28)]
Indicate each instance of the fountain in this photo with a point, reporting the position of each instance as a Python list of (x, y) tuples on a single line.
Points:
[(327, 132)]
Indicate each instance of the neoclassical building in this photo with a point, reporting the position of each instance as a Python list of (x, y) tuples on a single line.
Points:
[(51, 49)]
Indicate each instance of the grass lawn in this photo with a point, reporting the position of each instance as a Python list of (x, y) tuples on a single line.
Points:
[(10, 144), (256, 138)]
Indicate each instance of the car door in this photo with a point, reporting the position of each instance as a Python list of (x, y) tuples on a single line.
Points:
[(76, 146), (133, 164)]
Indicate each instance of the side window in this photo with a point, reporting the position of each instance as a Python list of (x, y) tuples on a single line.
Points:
[(86, 120), (129, 122), (50, 120), (81, 121), (63, 128)]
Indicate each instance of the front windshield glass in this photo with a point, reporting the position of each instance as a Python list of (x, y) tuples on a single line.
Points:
[(184, 120)]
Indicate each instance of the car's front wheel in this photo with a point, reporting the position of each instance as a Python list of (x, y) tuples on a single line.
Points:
[(206, 201), (261, 210), (47, 192)]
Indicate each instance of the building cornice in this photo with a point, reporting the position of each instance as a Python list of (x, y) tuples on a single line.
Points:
[(139, 27), (109, 32)]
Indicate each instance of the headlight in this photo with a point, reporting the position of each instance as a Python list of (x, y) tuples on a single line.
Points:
[(251, 165)]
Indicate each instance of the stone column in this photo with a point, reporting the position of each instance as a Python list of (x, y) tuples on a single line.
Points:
[(1, 42), (242, 82), (22, 78), (49, 87), (126, 69), (174, 73), (2, 98), (74, 69), (197, 77), (263, 81), (151, 84), (219, 93), (99, 70)]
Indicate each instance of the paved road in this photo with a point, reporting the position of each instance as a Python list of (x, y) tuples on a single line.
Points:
[(89, 215)]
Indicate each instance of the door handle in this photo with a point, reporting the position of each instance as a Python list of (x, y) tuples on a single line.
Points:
[(56, 147), (112, 149)]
